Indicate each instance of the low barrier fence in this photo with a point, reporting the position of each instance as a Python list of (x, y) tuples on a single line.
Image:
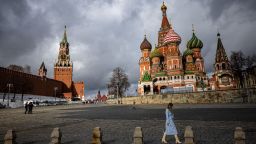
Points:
[(97, 136), (220, 96)]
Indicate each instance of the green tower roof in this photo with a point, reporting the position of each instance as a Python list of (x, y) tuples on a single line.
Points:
[(155, 53), (146, 77), (188, 52), (65, 39)]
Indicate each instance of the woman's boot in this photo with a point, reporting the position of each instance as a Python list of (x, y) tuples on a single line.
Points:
[(177, 141), (163, 139)]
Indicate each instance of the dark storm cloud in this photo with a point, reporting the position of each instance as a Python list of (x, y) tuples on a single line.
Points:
[(107, 34), (235, 20), (217, 7), (20, 31)]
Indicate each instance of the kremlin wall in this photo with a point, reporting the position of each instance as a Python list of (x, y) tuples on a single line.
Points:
[(28, 83), (61, 86)]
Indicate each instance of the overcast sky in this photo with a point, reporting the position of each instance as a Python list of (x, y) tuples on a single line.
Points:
[(104, 34)]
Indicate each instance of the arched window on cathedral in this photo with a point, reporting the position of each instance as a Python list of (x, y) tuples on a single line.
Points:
[(174, 77), (223, 66), (160, 79), (218, 67)]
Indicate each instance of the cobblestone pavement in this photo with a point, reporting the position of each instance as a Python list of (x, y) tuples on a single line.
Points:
[(212, 124)]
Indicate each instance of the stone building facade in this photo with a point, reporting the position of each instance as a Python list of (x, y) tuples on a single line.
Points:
[(166, 68)]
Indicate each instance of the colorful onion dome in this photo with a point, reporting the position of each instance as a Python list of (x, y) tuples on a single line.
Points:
[(194, 42), (155, 53), (172, 37), (188, 52), (145, 44)]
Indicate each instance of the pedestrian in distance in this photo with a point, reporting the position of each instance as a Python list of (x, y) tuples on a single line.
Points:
[(30, 107), (26, 107), (134, 105), (170, 128)]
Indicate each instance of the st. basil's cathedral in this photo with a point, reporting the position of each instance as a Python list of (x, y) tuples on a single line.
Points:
[(166, 68)]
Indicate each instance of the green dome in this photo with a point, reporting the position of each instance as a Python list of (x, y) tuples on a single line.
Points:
[(155, 53), (188, 52), (194, 42)]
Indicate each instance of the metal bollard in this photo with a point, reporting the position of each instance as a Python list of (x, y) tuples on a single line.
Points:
[(239, 136), (10, 137), (56, 136), (138, 136), (96, 136), (189, 135)]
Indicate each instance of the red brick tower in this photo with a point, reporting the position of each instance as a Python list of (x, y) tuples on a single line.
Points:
[(165, 26), (63, 68)]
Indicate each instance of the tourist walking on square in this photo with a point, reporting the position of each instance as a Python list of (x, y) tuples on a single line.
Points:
[(26, 107), (30, 107), (170, 128)]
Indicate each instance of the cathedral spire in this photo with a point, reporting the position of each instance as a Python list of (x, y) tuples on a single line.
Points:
[(64, 39), (165, 23), (221, 55)]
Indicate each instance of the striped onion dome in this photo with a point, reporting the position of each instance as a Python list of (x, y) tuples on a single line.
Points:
[(188, 52), (172, 37), (145, 44), (194, 42), (155, 53)]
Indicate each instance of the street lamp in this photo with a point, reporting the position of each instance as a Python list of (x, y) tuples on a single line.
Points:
[(9, 85), (55, 89)]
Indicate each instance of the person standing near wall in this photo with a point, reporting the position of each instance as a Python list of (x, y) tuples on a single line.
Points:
[(26, 107), (170, 128), (30, 107)]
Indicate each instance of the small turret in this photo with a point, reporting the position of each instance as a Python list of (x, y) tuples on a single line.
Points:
[(42, 70)]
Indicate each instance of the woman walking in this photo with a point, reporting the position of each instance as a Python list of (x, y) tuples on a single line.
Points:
[(170, 128)]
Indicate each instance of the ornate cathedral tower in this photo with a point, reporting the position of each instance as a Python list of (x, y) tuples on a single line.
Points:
[(63, 68), (144, 62), (173, 58), (196, 45), (165, 26), (223, 74)]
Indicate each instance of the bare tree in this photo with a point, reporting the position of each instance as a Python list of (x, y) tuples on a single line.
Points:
[(238, 62), (118, 82)]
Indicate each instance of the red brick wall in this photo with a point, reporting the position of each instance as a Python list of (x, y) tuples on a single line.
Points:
[(79, 89), (29, 84)]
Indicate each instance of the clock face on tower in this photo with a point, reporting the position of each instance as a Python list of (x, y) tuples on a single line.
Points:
[(63, 56)]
